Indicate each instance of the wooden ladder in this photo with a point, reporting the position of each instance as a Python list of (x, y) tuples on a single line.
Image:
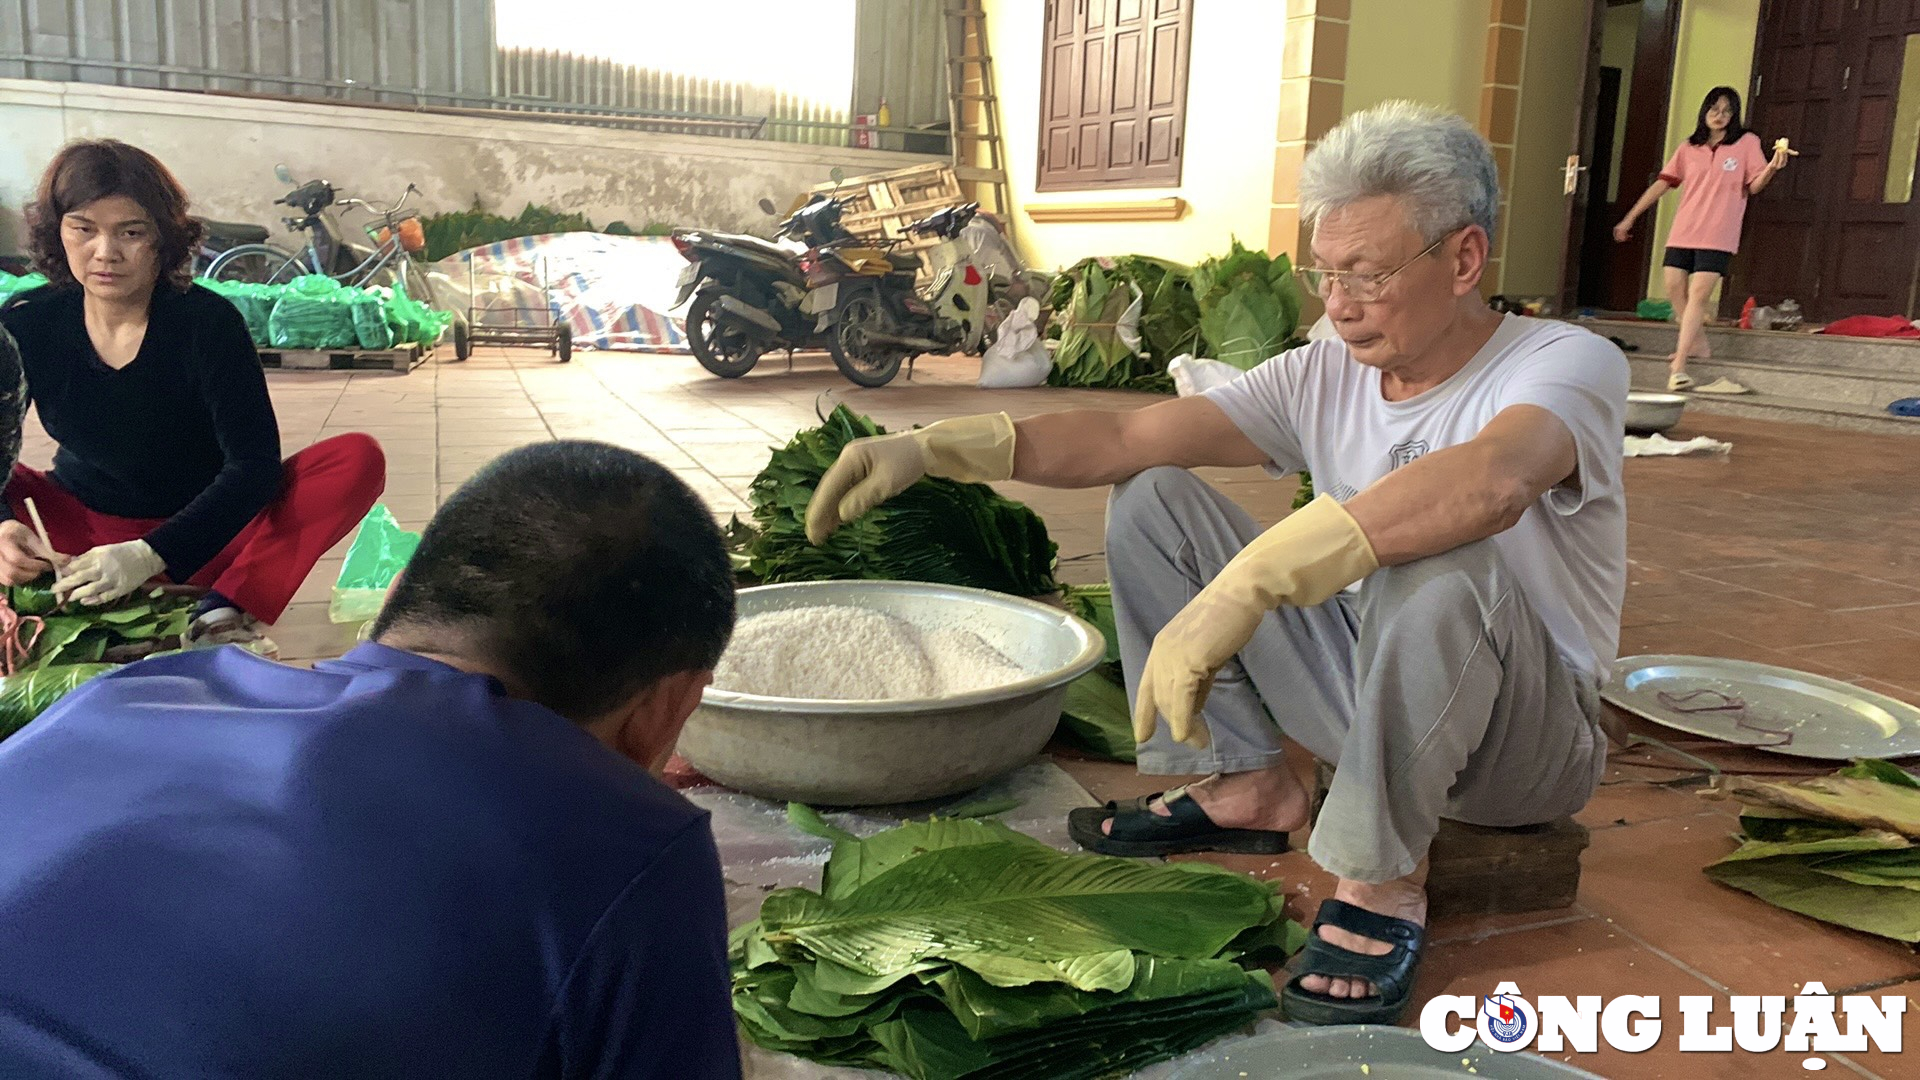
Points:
[(970, 91)]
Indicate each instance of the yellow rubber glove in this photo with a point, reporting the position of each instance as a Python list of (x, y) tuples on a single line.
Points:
[(973, 449), (1317, 551)]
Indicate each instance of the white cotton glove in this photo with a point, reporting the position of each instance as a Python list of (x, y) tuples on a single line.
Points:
[(108, 572)]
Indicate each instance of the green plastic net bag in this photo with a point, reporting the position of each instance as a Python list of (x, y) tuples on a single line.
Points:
[(369, 319), (255, 303), (1650, 308), (9, 285), (312, 313), (377, 555), (413, 322)]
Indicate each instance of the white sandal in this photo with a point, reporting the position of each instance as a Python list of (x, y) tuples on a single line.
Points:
[(1679, 382)]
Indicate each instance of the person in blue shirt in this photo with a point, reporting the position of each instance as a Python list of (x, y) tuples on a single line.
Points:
[(442, 855)]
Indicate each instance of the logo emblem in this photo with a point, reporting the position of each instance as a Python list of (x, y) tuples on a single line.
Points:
[(1729, 165), (1507, 1022), (1408, 452)]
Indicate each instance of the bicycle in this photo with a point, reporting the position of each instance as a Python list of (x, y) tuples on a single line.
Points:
[(397, 236)]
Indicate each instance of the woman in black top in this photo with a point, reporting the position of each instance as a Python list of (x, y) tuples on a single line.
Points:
[(169, 456)]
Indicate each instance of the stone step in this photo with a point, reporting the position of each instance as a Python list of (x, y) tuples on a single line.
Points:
[(1872, 390), (1799, 411), (1885, 355)]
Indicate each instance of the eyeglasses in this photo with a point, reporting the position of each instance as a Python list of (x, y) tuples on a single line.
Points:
[(1361, 288)]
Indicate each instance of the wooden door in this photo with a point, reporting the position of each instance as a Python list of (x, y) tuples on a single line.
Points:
[(1613, 276), (1580, 188), (1828, 76), (1114, 93)]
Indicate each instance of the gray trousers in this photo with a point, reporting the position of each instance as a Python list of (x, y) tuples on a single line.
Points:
[(1437, 690)]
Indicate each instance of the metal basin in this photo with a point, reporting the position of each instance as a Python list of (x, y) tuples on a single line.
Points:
[(867, 753), (1649, 412)]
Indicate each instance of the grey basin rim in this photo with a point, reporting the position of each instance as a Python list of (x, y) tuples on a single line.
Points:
[(1313, 1052), (1093, 649)]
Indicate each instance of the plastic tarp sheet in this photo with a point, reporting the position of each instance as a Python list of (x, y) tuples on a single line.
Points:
[(614, 291)]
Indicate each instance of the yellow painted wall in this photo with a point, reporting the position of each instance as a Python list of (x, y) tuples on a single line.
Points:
[(1715, 48), (1535, 245), (1233, 116), (1423, 50), (1616, 51)]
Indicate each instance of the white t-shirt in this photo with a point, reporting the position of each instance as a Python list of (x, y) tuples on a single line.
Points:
[(1316, 408)]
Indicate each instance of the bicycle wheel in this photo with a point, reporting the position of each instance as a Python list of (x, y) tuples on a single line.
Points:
[(261, 264)]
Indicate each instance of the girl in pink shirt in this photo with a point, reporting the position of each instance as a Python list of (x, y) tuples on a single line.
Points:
[(1716, 169)]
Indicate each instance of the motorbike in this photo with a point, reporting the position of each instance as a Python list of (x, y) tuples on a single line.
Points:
[(746, 291), (876, 317)]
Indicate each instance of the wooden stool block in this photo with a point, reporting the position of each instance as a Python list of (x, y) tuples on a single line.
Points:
[(1480, 870)]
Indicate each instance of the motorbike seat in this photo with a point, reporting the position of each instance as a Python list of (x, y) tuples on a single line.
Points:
[(751, 243), (234, 232), (905, 261)]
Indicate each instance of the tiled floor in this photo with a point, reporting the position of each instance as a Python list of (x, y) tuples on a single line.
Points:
[(1800, 549)]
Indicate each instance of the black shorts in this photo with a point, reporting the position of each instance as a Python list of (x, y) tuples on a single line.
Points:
[(1698, 260)]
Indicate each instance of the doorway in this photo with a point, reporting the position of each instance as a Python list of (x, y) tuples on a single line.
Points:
[(1629, 98), (1837, 231)]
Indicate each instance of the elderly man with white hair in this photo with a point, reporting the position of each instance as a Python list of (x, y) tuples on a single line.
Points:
[(1436, 623)]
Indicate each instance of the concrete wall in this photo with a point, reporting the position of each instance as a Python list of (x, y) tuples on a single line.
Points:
[(224, 150), (1715, 48), (1233, 113), (1427, 50), (1550, 102)]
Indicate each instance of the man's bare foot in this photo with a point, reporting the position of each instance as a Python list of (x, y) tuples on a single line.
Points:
[(1404, 898), (1271, 799)]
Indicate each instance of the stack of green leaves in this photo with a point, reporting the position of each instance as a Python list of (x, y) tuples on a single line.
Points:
[(950, 949), (941, 531), (1843, 849), (76, 643), (1091, 296), (462, 229), (1095, 717), (1249, 305)]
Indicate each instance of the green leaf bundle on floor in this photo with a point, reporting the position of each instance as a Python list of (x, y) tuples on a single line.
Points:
[(963, 950), (941, 531), (1096, 717), (1844, 849), (57, 648)]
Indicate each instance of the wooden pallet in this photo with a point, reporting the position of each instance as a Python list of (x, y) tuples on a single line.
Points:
[(400, 360), (881, 206)]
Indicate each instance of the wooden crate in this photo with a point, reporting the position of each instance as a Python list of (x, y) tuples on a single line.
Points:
[(1479, 870), (401, 360), (881, 206)]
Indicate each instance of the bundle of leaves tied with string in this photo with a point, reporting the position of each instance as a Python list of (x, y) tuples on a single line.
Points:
[(48, 649), (941, 531)]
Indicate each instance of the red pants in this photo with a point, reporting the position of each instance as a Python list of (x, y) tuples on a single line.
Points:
[(325, 490)]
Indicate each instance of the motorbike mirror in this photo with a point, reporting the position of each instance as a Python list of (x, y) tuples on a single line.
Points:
[(766, 207), (285, 176), (836, 174)]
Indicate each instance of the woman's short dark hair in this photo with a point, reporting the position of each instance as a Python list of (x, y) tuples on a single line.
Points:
[(93, 169), (1701, 132), (582, 572)]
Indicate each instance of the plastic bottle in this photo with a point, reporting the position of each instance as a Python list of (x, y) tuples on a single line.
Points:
[(885, 116)]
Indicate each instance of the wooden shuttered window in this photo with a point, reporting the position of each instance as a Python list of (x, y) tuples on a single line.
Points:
[(1113, 107)]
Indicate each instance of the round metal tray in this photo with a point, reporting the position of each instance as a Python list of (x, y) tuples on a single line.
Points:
[(1768, 708), (1389, 1053)]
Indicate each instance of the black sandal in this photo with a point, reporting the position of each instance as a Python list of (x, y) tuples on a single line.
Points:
[(1138, 831), (1391, 974)]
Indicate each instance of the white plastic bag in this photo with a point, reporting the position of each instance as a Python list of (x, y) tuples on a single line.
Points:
[(1322, 330), (1017, 356), (1195, 375)]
